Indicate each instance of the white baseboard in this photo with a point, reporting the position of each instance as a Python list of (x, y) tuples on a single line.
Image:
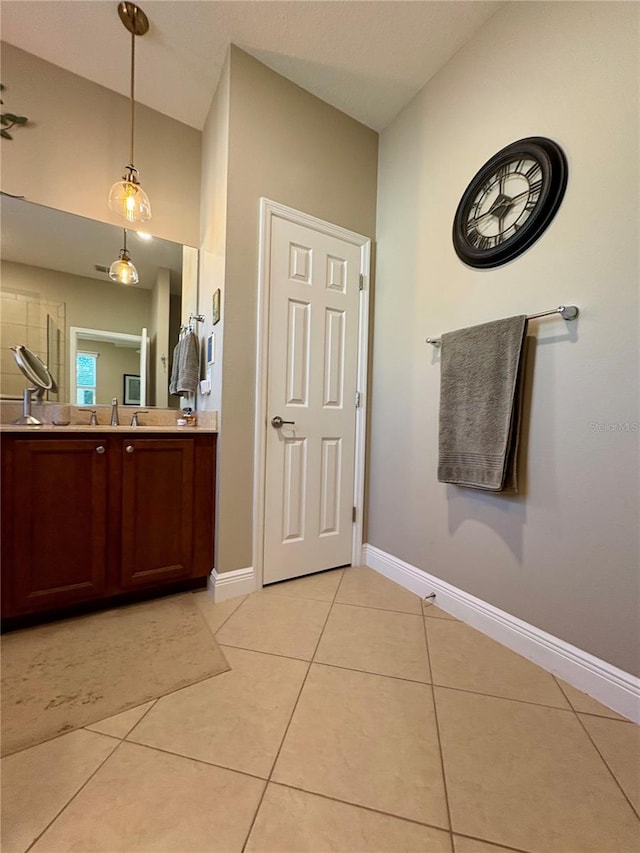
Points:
[(612, 686), (231, 584)]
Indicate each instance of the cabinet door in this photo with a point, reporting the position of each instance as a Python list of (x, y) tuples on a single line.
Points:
[(59, 507), (157, 510)]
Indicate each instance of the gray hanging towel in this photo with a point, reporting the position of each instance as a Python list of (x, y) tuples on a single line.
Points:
[(188, 365), (173, 382), (480, 396)]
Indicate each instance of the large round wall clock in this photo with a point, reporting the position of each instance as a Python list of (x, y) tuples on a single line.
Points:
[(510, 202)]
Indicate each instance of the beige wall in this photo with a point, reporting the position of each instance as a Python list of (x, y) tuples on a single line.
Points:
[(77, 144), (159, 342), (28, 320), (213, 232), (113, 363), (289, 146), (564, 554), (213, 246)]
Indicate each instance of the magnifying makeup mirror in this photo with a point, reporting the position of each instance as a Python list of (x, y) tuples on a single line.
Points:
[(38, 375)]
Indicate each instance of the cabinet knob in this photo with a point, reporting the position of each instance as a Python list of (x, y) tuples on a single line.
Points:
[(129, 448), (100, 449)]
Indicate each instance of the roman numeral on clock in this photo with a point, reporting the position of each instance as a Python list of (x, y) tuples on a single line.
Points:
[(532, 172), (474, 237)]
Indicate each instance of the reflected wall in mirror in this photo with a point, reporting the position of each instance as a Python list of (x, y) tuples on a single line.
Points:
[(100, 360), (55, 278)]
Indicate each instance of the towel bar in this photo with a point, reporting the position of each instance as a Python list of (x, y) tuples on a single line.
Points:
[(567, 312)]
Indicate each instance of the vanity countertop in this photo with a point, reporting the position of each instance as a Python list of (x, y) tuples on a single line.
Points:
[(76, 419), (124, 428)]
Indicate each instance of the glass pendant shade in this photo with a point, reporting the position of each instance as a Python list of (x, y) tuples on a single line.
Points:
[(126, 197), (129, 200), (123, 271)]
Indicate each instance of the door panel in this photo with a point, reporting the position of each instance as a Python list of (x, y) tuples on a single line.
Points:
[(295, 489), (330, 497), (333, 358), (298, 334), (313, 350)]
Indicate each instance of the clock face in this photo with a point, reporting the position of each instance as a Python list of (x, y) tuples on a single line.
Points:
[(509, 202)]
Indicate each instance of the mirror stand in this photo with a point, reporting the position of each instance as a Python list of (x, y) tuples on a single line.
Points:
[(27, 418)]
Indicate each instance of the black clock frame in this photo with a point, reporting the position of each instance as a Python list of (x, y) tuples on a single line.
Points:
[(554, 173)]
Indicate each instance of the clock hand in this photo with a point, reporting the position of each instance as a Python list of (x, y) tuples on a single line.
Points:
[(488, 213)]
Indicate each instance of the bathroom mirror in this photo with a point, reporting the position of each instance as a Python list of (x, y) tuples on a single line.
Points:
[(55, 278)]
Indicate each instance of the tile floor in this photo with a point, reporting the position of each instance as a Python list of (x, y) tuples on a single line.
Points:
[(353, 719)]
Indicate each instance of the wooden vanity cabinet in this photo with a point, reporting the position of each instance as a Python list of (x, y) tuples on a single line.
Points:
[(95, 519), (54, 514)]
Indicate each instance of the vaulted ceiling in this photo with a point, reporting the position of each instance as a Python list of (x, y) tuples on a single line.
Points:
[(365, 58)]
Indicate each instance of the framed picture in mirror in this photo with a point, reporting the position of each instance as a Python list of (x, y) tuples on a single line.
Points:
[(131, 390)]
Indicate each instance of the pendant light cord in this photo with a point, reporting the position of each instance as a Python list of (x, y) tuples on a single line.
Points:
[(133, 77)]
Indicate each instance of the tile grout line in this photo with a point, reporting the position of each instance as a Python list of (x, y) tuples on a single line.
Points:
[(258, 779), (386, 609), (372, 809), (293, 710), (370, 672), (447, 616), (224, 621), (503, 698), (408, 680), (351, 604), (435, 714), (125, 739), (153, 705), (500, 845), (260, 652), (618, 719), (595, 746), (72, 798), (113, 751), (88, 728), (203, 761), (319, 663)]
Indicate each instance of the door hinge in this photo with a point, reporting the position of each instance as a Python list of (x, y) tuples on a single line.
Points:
[(361, 281), (357, 400), (353, 515)]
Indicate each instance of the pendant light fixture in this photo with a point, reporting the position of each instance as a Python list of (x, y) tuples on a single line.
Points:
[(122, 269), (127, 198)]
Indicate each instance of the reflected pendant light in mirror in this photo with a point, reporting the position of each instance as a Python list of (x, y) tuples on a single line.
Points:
[(127, 198), (122, 269)]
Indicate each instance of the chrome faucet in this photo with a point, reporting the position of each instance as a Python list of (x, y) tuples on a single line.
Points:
[(93, 420), (114, 412), (134, 418)]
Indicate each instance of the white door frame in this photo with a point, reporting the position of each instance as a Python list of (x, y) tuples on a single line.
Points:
[(268, 210), (117, 338)]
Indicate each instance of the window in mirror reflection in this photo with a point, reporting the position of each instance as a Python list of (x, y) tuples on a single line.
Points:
[(86, 378)]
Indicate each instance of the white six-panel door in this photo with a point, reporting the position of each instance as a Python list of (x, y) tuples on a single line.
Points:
[(312, 375)]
